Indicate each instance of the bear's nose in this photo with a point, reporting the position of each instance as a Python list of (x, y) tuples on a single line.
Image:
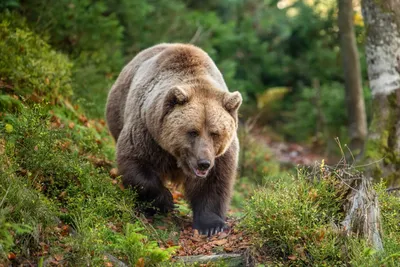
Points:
[(203, 164)]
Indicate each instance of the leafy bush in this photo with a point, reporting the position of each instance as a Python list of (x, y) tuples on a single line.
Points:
[(297, 222), (28, 66), (91, 35), (293, 220), (23, 212), (51, 162)]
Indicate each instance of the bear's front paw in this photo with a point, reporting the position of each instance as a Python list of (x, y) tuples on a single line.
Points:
[(209, 224)]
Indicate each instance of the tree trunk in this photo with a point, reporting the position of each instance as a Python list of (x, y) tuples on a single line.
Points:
[(382, 21), (352, 76)]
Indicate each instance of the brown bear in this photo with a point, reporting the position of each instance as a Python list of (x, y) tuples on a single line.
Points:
[(173, 117)]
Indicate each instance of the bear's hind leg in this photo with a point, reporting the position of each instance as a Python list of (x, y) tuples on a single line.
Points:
[(147, 184)]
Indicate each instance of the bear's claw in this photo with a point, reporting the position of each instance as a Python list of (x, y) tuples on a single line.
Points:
[(209, 224)]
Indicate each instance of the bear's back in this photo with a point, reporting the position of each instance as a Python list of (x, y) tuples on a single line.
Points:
[(188, 62), (117, 96)]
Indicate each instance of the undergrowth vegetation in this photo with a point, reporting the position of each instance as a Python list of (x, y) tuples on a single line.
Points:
[(296, 221)]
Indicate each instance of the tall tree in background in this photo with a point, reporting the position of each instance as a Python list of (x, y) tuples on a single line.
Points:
[(352, 76), (382, 22)]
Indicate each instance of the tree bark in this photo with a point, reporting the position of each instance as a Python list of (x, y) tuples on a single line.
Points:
[(352, 77), (382, 22), (362, 211)]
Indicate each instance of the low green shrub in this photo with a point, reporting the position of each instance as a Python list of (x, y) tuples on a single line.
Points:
[(28, 66), (24, 213), (57, 172), (293, 220), (297, 223)]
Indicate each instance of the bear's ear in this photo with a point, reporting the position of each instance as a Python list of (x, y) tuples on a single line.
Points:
[(177, 96), (232, 101)]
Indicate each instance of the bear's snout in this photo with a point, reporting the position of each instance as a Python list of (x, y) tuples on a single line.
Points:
[(203, 164), (202, 168)]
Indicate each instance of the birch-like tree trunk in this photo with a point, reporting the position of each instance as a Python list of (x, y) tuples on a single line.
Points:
[(382, 23), (352, 76)]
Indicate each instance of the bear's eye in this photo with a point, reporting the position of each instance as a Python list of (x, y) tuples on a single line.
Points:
[(193, 133), (214, 135)]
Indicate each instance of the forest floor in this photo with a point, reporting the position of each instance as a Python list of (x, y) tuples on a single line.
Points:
[(234, 239)]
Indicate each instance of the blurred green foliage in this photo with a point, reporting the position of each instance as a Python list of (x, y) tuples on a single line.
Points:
[(330, 117)]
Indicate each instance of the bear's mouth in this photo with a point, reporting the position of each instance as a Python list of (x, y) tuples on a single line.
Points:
[(200, 173)]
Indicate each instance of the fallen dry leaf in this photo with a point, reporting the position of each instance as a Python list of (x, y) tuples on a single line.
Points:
[(114, 172), (59, 257), (195, 239), (140, 262), (219, 242), (222, 235), (292, 257), (82, 118), (11, 256), (170, 243), (177, 195)]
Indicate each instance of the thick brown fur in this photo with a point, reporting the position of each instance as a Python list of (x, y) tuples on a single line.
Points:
[(172, 115)]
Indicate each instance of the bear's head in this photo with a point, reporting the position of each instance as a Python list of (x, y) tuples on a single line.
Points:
[(198, 125)]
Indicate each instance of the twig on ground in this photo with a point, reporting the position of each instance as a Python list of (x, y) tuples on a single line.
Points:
[(150, 226)]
